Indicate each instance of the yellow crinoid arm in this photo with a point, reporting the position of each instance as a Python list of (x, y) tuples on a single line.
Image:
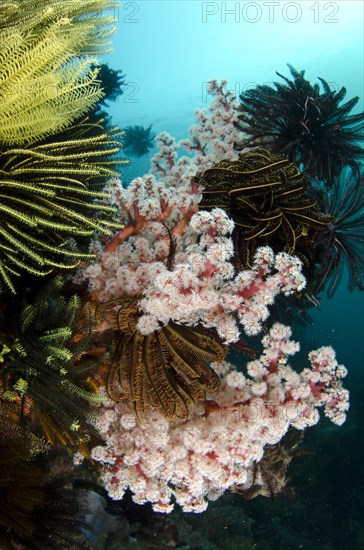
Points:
[(47, 79)]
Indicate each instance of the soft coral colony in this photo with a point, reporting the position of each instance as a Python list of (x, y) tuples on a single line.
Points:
[(184, 264), (180, 424)]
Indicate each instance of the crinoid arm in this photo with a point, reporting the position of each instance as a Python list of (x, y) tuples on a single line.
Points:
[(268, 198), (168, 369), (308, 124), (342, 244)]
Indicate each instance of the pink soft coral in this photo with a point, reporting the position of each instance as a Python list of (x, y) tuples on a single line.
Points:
[(218, 447)]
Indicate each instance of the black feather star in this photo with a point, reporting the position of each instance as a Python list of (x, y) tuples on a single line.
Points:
[(309, 125), (342, 243)]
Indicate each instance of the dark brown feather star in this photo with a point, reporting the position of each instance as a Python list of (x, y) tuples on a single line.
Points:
[(168, 370), (267, 197)]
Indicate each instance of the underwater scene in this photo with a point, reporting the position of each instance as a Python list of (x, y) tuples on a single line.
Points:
[(181, 275)]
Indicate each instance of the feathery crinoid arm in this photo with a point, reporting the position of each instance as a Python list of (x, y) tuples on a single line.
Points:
[(51, 197), (97, 18), (48, 368), (46, 78)]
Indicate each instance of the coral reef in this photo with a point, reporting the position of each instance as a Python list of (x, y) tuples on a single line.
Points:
[(122, 369), (216, 138), (157, 359), (171, 264)]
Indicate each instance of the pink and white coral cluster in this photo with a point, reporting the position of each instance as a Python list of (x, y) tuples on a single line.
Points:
[(203, 288), (211, 139), (177, 262), (200, 286), (175, 195), (148, 200), (197, 460)]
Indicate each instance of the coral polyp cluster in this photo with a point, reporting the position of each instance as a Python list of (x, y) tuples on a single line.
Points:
[(199, 428), (225, 439)]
